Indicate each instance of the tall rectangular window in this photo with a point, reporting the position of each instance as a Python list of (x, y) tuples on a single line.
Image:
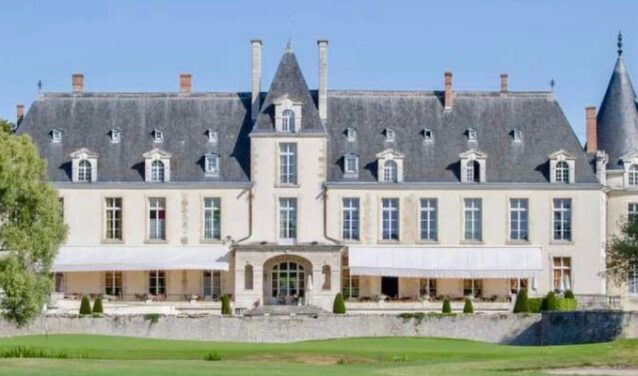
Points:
[(390, 218), (632, 211), (429, 219), (113, 283), (351, 219), (473, 219), (212, 218), (563, 219), (288, 163), (287, 219), (562, 273), (473, 287), (157, 218), (427, 287), (349, 283), (632, 278), (516, 284), (113, 218), (212, 284), (157, 282), (518, 219)]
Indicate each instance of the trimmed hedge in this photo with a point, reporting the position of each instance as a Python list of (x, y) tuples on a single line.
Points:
[(569, 294), (468, 307), (551, 302), (97, 306), (339, 306), (447, 308), (535, 304), (226, 305), (567, 304), (85, 306), (538, 305), (522, 302)]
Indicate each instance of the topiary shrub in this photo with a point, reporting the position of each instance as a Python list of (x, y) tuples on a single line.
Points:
[(551, 302), (468, 307), (85, 306), (97, 306), (339, 306), (226, 305), (447, 308), (522, 302), (535, 304), (567, 304), (569, 294)]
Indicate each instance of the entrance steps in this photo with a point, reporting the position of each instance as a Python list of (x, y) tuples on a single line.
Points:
[(286, 310)]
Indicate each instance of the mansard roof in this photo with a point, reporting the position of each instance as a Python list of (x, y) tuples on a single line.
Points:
[(87, 119), (618, 116), (289, 81), (492, 114)]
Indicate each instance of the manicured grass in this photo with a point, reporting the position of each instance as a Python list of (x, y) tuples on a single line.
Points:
[(103, 355)]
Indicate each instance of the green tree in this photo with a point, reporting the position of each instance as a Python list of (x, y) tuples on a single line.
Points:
[(85, 306), (226, 305), (339, 305), (97, 306), (522, 302), (447, 307), (31, 228), (468, 307), (551, 302), (6, 126), (622, 252)]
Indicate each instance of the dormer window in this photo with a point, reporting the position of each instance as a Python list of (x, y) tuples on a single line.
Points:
[(288, 121), (428, 135), (632, 176), (471, 134), (116, 135), (351, 165), (389, 134), (390, 166), (211, 165), (351, 134), (561, 167), (157, 166), (630, 165), (158, 136), (56, 135), (473, 166), (212, 136), (84, 166), (517, 135)]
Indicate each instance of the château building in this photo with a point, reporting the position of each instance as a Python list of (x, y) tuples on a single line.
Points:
[(292, 195)]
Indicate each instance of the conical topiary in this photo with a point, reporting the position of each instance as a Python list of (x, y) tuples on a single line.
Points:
[(85, 306), (447, 308), (468, 307), (97, 306), (551, 302), (522, 302), (339, 306), (226, 305)]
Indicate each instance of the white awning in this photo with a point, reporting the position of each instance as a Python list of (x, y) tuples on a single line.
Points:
[(151, 257), (446, 262)]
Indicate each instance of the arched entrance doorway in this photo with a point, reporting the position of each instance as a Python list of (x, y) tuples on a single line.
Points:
[(286, 280)]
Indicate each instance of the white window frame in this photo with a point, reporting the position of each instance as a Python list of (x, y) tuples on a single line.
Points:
[(211, 165), (471, 134), (562, 172), (428, 219), (212, 136), (517, 134), (351, 165), (473, 219), (632, 175), (288, 121), (156, 226), (562, 167), (158, 171), (85, 169), (211, 218), (390, 171), (390, 219), (56, 136), (113, 276), (564, 271), (157, 276), (562, 217), (390, 135), (518, 219), (158, 136), (428, 135), (632, 210), (214, 285), (351, 134), (351, 218), (632, 279), (288, 229), (113, 229), (116, 136), (288, 163)]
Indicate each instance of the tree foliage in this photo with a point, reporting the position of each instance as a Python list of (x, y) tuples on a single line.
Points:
[(468, 307), (226, 311), (622, 252), (447, 307), (31, 228), (85, 306), (522, 302), (339, 305)]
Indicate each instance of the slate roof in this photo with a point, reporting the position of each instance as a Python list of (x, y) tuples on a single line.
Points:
[(289, 80), (87, 119), (618, 117), (493, 114)]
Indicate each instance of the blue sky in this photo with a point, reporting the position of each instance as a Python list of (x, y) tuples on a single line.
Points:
[(144, 45)]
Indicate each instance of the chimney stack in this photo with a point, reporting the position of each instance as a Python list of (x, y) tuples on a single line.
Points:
[(185, 83), (19, 113), (504, 83), (592, 131), (447, 100), (323, 79), (256, 78), (77, 83)]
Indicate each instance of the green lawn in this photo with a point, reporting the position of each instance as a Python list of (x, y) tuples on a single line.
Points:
[(103, 355)]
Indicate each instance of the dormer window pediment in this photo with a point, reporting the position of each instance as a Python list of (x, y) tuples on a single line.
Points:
[(630, 166), (84, 166), (562, 166), (157, 166), (473, 165), (288, 116), (390, 166)]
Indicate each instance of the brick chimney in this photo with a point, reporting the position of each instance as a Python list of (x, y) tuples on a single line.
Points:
[(255, 81), (592, 136), (77, 82), (19, 113), (504, 83), (185, 83), (447, 100), (323, 79)]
